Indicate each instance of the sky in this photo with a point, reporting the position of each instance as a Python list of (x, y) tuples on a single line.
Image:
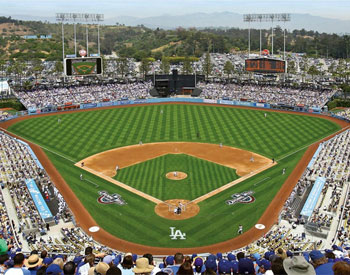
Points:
[(339, 9)]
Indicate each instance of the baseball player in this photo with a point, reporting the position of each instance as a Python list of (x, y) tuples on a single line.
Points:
[(283, 171), (180, 205), (240, 229), (81, 176)]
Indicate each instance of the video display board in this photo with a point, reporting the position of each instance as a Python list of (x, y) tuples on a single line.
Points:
[(83, 66)]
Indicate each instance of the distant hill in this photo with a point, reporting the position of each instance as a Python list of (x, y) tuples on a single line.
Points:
[(216, 19), (147, 40), (230, 19)]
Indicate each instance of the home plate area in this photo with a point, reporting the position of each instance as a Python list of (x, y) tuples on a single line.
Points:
[(177, 209)]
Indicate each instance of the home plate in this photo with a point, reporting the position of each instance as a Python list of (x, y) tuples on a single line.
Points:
[(260, 226), (94, 229)]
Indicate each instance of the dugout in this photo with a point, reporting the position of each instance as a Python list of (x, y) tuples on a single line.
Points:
[(165, 85)]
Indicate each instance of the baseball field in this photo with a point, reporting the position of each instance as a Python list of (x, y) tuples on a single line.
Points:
[(84, 68), (69, 138)]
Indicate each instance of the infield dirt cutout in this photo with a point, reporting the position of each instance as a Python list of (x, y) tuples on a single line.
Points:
[(246, 164)]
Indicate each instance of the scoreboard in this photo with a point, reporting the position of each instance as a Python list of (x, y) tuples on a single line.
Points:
[(265, 65), (83, 66)]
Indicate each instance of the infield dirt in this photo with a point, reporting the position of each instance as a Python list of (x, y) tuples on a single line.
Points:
[(106, 162)]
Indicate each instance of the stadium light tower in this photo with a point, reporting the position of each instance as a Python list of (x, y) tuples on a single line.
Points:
[(269, 17), (84, 18)]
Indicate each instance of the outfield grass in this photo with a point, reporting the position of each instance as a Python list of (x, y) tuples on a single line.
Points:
[(280, 136), (80, 135), (202, 177)]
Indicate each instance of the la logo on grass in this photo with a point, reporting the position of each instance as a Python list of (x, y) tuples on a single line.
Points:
[(174, 234), (106, 198), (244, 197)]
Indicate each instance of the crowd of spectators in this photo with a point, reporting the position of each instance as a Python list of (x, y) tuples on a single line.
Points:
[(345, 114), (271, 262), (268, 94), (333, 164), (5, 115), (111, 92), (83, 94), (333, 160), (18, 164)]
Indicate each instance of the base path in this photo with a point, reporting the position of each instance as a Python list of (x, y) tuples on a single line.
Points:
[(85, 221)]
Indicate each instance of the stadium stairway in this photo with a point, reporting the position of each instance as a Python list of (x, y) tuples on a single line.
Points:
[(303, 200), (11, 211)]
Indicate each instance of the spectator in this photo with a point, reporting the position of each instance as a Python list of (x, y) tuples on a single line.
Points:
[(224, 267), (3, 259), (265, 267), (198, 266), (127, 264), (113, 270), (143, 267), (101, 268), (109, 260), (246, 266), (320, 263), (17, 268), (3, 247), (178, 259), (33, 263), (341, 268), (151, 262), (54, 269), (211, 264), (185, 269), (69, 268), (277, 266), (85, 265), (298, 265), (41, 270), (59, 262), (47, 261)]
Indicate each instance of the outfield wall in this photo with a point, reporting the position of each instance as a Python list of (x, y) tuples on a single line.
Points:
[(262, 105)]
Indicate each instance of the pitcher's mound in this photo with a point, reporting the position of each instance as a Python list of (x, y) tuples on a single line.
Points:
[(166, 209), (176, 175)]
